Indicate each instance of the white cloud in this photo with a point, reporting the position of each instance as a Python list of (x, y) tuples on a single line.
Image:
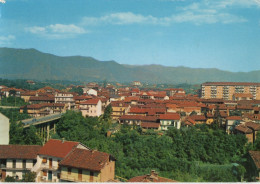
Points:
[(57, 31), (6, 40), (192, 14)]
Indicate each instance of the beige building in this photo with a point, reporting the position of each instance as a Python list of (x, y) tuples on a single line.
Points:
[(4, 129), (87, 166), (226, 90), (65, 98), (16, 160), (92, 107), (47, 167)]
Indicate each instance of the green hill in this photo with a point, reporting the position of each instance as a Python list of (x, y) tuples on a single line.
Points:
[(33, 64)]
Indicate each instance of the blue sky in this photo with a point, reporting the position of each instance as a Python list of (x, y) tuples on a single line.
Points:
[(222, 34)]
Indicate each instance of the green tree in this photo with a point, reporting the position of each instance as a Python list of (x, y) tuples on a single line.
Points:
[(78, 90), (107, 113), (10, 179), (29, 177)]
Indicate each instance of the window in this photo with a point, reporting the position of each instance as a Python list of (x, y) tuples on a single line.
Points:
[(24, 163), (14, 163), (44, 173), (44, 160), (34, 162), (69, 170)]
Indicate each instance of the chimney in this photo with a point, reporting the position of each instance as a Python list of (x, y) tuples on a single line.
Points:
[(63, 140)]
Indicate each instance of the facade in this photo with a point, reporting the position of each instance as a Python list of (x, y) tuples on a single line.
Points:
[(92, 107), (226, 90), (47, 166), (87, 166), (231, 122), (4, 129), (16, 160), (170, 120), (65, 98), (119, 109)]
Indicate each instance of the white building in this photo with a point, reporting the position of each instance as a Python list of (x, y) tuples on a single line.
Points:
[(4, 129), (92, 92), (92, 107), (170, 120)]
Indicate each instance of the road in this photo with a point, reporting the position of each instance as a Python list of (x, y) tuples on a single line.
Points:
[(40, 120)]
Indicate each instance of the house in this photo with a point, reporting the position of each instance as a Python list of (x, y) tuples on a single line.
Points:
[(48, 158), (36, 110), (92, 107), (91, 92), (83, 165), (173, 91), (199, 119), (16, 160), (250, 129), (27, 94), (65, 98), (119, 109), (231, 122), (4, 129), (152, 177), (136, 83), (243, 129), (254, 163), (170, 120)]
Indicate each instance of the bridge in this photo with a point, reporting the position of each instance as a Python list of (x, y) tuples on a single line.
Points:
[(45, 125)]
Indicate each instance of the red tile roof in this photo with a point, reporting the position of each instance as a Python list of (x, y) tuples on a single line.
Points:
[(150, 125), (153, 177), (244, 129), (90, 102), (41, 98), (234, 118), (254, 126), (86, 159), (19, 151), (255, 155), (173, 116), (198, 117), (58, 148)]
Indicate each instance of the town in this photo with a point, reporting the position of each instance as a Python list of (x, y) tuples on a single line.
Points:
[(230, 109)]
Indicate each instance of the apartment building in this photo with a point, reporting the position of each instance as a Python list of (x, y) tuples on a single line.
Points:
[(65, 98), (16, 160), (226, 90)]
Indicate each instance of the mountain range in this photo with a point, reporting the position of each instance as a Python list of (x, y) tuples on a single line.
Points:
[(35, 65)]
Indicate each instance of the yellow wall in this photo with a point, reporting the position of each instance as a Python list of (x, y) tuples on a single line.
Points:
[(74, 175)]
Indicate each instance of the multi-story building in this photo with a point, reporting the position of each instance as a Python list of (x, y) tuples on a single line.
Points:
[(83, 165), (226, 90), (16, 160), (47, 167), (92, 107), (65, 98), (170, 120)]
